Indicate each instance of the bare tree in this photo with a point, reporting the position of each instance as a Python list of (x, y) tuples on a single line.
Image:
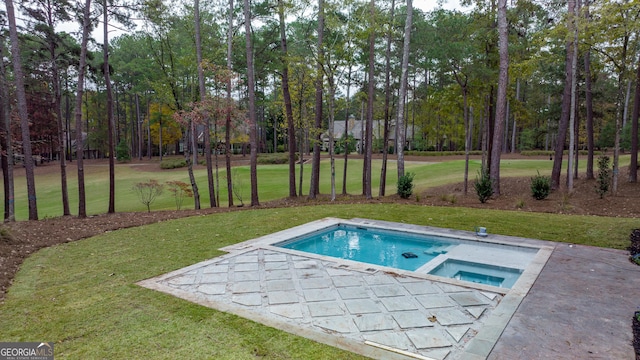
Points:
[(22, 110)]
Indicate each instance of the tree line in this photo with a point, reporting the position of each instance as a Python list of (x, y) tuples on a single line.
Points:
[(206, 79)]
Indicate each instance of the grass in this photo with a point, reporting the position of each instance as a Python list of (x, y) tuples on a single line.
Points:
[(272, 183), (82, 295)]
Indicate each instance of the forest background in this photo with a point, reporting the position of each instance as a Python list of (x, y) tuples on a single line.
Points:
[(273, 76)]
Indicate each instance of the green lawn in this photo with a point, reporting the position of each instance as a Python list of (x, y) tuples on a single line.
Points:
[(272, 183), (82, 295)]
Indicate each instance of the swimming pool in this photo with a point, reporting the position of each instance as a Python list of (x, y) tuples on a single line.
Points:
[(398, 250), (462, 258), (374, 310)]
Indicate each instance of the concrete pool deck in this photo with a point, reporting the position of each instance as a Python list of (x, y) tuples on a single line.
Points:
[(401, 315)]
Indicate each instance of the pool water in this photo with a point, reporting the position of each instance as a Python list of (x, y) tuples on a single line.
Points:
[(478, 273), (378, 246), (494, 264)]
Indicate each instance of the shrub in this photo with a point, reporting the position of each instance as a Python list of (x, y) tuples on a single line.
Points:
[(236, 186), (483, 186), (173, 163), (277, 158), (405, 185), (180, 190), (604, 176), (148, 192), (540, 186), (122, 151)]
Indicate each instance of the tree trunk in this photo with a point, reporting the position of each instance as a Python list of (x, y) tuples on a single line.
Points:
[(346, 134), (566, 107), (366, 168), (253, 126), (572, 114), (514, 127), (633, 165), (139, 121), (288, 109), (203, 96), (588, 98), (625, 111), (22, 111), (149, 146), (6, 143), (110, 121), (467, 137), (501, 101), (470, 141), (387, 101), (57, 105), (400, 128), (616, 147), (188, 137), (86, 26), (314, 188), (332, 94), (227, 132)]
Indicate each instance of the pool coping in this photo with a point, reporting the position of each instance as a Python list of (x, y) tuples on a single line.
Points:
[(479, 347)]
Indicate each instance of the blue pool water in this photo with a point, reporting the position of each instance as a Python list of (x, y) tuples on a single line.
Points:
[(411, 251), (379, 247), (478, 273)]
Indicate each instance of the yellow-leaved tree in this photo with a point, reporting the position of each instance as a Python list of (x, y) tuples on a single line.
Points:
[(164, 129)]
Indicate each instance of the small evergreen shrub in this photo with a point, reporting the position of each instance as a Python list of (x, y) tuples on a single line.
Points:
[(277, 158), (483, 186), (405, 185), (122, 151), (540, 186), (604, 176), (173, 163)]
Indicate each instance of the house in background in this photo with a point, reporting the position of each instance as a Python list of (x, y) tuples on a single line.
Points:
[(356, 129)]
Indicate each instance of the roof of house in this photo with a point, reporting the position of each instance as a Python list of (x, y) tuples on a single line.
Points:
[(356, 130)]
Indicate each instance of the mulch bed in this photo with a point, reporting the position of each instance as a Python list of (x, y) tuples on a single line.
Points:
[(634, 248), (636, 334)]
